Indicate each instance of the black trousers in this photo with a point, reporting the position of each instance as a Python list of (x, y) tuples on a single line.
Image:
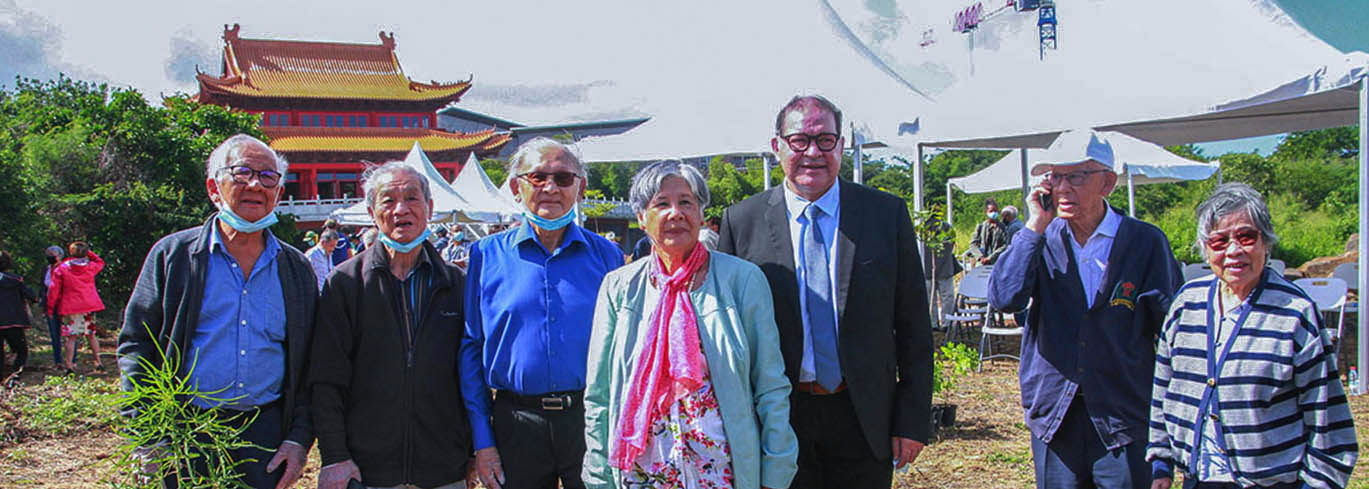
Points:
[(266, 432), (14, 337), (539, 446), (833, 451)]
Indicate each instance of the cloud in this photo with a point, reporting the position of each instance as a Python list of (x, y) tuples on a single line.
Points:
[(535, 95), (29, 45), (187, 54)]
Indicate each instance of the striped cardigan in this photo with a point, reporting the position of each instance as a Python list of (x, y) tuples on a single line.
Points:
[(1281, 405)]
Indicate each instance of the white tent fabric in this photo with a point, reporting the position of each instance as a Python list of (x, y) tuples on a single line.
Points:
[(487, 202), (718, 94), (1140, 162), (447, 204)]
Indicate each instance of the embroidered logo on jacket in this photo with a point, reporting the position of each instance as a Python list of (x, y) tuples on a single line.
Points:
[(1124, 295)]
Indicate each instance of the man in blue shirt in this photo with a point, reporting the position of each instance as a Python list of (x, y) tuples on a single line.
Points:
[(1099, 284), (530, 295), (238, 305)]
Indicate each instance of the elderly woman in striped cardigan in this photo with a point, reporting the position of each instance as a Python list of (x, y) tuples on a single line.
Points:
[(1246, 392)]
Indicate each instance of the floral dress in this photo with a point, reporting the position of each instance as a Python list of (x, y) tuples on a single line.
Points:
[(688, 448)]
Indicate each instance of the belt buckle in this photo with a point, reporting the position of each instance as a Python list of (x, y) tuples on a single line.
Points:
[(553, 403)]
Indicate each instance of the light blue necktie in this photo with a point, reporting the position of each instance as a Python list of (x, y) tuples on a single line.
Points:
[(818, 287)]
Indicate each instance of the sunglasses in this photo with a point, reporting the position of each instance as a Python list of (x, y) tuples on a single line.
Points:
[(244, 174), (538, 179), (799, 142), (1245, 237)]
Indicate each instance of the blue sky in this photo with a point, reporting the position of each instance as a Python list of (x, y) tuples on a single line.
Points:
[(1341, 23)]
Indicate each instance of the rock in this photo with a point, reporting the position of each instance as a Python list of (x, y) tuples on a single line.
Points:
[(1322, 267), (1352, 244)]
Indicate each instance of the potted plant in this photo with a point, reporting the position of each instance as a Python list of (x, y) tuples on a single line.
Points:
[(950, 363)]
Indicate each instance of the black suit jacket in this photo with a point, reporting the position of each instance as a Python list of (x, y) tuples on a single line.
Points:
[(884, 336)]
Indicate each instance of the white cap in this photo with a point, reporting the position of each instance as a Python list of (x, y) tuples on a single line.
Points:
[(1074, 147)]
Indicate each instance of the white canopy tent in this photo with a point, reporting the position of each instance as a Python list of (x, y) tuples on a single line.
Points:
[(487, 202), (448, 205), (1330, 96), (1141, 163)]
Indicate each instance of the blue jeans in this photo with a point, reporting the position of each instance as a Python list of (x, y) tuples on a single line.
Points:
[(55, 332)]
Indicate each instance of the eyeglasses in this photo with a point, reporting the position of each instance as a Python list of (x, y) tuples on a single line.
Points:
[(244, 174), (1245, 237), (1075, 179), (799, 142), (538, 179)]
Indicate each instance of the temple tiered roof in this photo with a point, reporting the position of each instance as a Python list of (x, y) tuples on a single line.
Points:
[(260, 68), (289, 139)]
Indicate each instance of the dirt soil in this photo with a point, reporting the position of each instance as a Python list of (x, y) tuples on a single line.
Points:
[(989, 446)]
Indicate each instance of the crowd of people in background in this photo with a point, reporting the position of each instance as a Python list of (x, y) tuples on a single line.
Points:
[(70, 300)]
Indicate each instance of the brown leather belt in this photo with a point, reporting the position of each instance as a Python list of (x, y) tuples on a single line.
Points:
[(817, 389)]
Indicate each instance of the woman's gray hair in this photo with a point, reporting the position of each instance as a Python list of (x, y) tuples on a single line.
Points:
[(375, 176), (230, 150), (648, 182), (1231, 198), (532, 152)]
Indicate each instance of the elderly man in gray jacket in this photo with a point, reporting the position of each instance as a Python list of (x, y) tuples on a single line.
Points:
[(237, 304)]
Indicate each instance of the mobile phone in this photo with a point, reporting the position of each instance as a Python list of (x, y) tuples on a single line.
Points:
[(1047, 201)]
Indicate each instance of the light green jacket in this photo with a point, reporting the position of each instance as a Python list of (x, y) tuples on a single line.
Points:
[(741, 344)]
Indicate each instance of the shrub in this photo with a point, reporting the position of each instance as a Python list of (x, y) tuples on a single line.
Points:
[(952, 361)]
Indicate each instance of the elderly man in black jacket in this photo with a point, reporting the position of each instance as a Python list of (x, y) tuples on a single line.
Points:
[(387, 395), (238, 306)]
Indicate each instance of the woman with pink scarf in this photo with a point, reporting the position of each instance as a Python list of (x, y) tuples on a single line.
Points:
[(686, 385)]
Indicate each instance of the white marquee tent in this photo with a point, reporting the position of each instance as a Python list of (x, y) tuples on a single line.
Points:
[(487, 202), (1140, 162), (448, 205)]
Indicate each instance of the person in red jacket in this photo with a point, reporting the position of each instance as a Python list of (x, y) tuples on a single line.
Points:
[(72, 296)]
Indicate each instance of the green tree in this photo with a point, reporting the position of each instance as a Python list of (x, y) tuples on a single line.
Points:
[(497, 169)]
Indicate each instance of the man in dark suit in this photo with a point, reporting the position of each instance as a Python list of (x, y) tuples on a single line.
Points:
[(850, 302)]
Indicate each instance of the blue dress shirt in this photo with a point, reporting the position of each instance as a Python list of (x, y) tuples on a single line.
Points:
[(528, 316), (239, 343)]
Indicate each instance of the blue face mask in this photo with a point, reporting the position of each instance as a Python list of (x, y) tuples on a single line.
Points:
[(993, 216), (227, 216), (550, 224), (404, 247)]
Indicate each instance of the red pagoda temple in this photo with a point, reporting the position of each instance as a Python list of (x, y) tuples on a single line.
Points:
[(330, 107)]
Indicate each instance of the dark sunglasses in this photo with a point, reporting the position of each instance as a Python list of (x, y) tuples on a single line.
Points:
[(1245, 237), (538, 179), (799, 142), (244, 174)]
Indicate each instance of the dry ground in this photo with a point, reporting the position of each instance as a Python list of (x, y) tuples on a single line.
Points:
[(987, 448)]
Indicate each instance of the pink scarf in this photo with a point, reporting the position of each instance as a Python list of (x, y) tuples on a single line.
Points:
[(670, 365)]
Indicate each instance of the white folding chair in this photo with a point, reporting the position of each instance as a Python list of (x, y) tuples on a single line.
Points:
[(972, 304), (1349, 272), (1329, 294), (1277, 266), (990, 328), (1195, 270)]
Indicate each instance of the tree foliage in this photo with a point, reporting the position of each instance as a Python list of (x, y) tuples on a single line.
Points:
[(83, 161)]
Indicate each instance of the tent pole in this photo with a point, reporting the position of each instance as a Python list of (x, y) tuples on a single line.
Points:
[(858, 171), (917, 180), (1131, 194), (765, 165), (950, 207), (1363, 336), (1219, 175), (1025, 213)]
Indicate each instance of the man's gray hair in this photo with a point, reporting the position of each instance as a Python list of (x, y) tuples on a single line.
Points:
[(648, 182), (56, 251), (328, 235), (1231, 198), (375, 176), (531, 153), (230, 150), (368, 238), (811, 100), (1010, 211)]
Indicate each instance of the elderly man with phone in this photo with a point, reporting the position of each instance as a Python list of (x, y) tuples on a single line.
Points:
[(1098, 284)]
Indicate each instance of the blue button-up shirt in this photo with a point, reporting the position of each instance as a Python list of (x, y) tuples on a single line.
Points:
[(239, 343), (528, 316)]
